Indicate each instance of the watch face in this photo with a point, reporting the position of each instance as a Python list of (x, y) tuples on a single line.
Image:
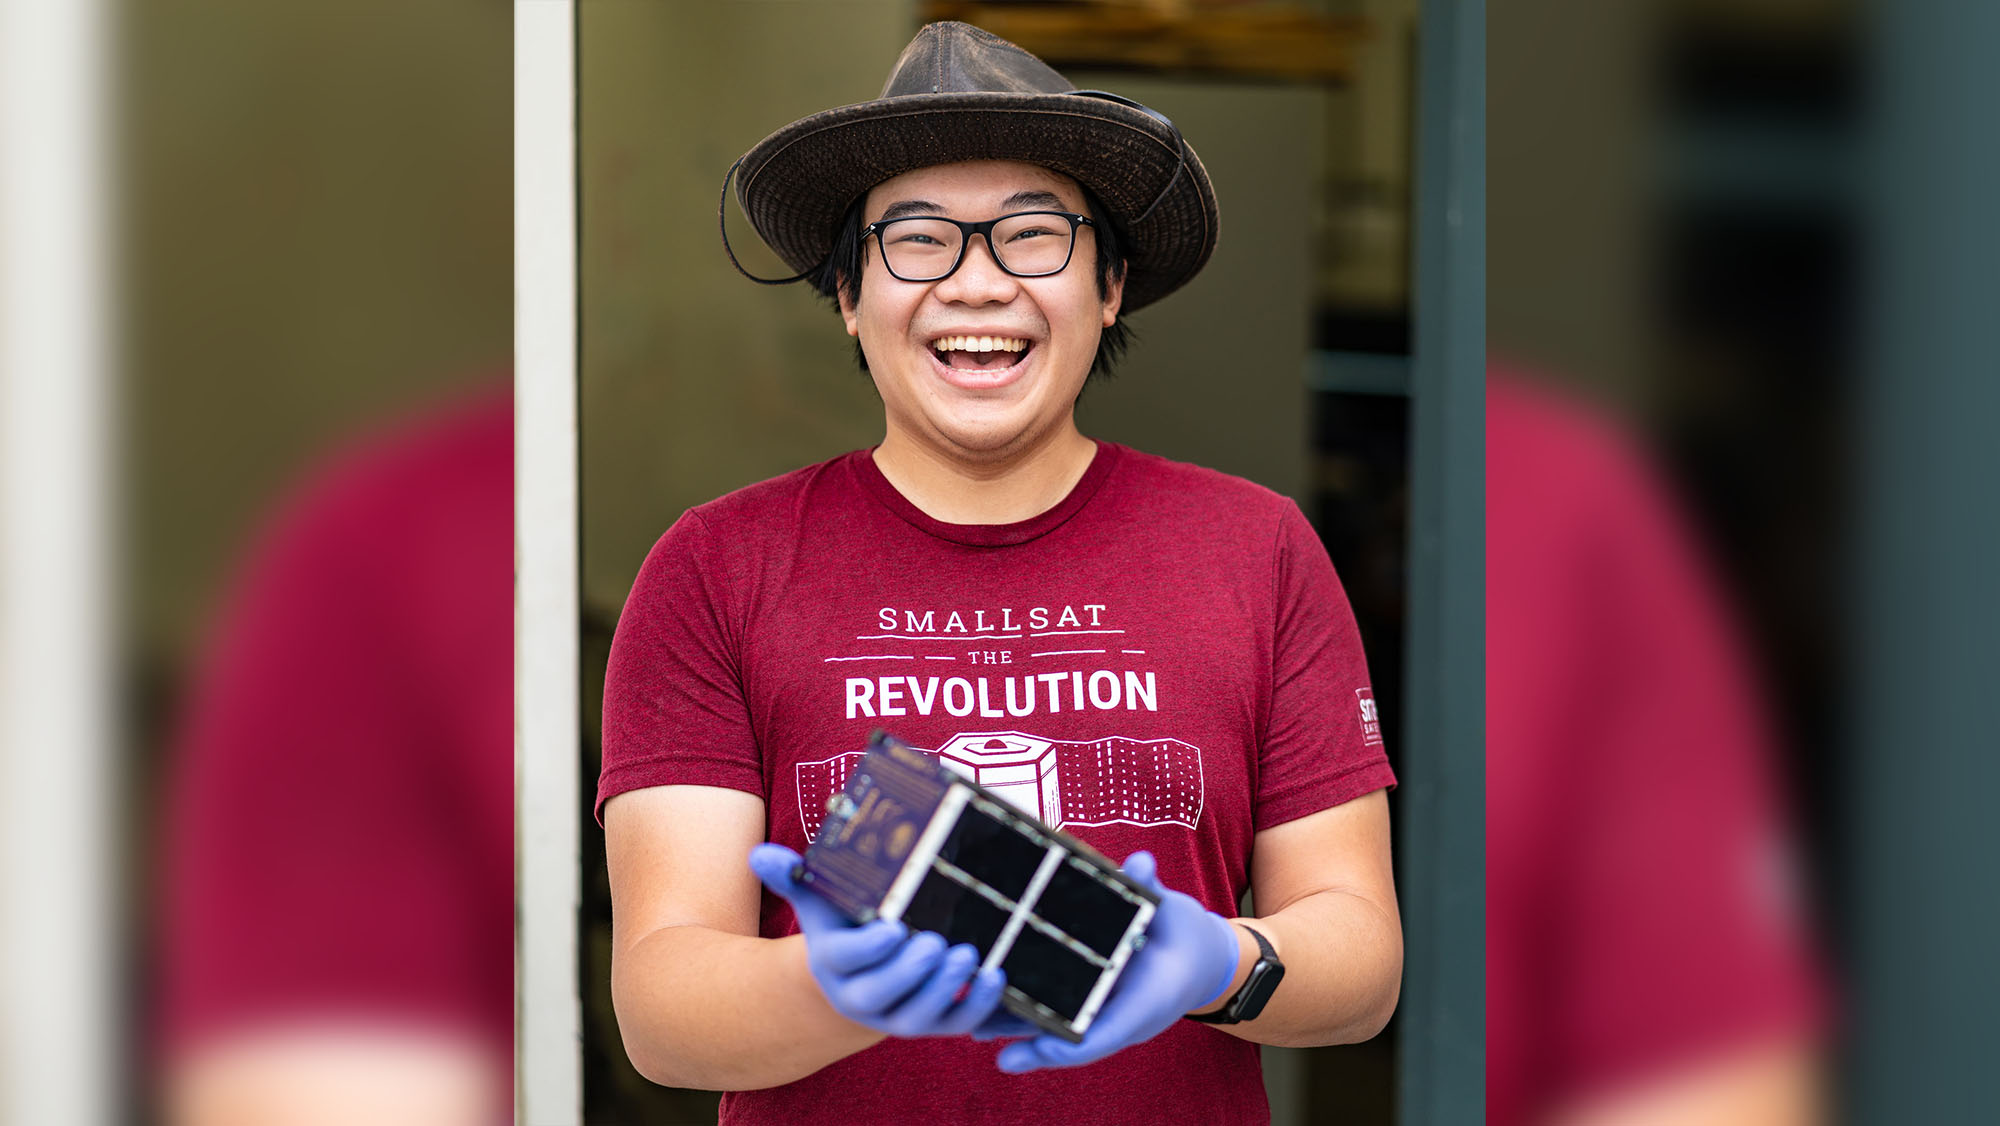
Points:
[(1264, 979)]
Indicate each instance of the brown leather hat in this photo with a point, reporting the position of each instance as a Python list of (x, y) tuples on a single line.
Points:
[(959, 93)]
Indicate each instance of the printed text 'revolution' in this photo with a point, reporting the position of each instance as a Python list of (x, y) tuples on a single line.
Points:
[(1016, 696)]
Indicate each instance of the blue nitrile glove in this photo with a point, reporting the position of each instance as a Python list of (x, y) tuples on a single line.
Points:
[(877, 974), (1188, 960)]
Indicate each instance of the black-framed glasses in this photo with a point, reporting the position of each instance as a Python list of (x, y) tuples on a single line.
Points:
[(928, 248)]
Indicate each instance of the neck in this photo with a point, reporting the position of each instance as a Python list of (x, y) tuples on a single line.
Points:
[(975, 487)]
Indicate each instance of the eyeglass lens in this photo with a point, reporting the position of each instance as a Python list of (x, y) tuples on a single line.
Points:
[(922, 249)]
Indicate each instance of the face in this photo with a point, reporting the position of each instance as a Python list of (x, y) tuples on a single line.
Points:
[(973, 403)]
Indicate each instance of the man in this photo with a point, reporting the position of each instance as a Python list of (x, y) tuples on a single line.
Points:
[(336, 882), (1646, 959), (1169, 644)]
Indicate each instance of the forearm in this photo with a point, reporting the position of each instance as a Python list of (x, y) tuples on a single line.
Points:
[(309, 1072), (704, 1008), (1343, 956)]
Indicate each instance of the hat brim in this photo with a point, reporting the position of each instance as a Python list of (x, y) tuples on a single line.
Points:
[(797, 183)]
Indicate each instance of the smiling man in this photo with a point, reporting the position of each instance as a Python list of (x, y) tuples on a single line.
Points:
[(1169, 644), (979, 343)]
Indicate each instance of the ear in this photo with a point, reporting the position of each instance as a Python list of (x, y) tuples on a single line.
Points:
[(1114, 296), (847, 311)]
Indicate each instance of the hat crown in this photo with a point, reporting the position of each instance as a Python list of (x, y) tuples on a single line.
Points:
[(957, 58)]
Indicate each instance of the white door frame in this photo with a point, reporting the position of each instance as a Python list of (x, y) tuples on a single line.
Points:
[(59, 976), (548, 1012)]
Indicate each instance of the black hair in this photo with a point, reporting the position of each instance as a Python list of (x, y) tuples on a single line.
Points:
[(840, 274)]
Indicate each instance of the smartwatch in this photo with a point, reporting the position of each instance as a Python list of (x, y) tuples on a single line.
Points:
[(1249, 1000)]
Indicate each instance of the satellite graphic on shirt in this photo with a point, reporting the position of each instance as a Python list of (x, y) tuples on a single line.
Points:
[(1108, 781)]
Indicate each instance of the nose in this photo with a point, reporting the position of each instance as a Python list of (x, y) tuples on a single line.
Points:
[(979, 280)]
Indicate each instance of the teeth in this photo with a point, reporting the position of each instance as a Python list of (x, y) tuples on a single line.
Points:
[(980, 344)]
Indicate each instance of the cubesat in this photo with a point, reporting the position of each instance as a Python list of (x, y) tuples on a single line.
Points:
[(910, 840)]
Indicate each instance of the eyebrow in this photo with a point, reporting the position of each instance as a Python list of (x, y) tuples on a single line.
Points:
[(904, 207), (1034, 199), (1031, 200)]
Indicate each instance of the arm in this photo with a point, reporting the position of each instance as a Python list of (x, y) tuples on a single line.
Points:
[(312, 1074), (1779, 1085), (1327, 898), (1320, 878), (702, 1001)]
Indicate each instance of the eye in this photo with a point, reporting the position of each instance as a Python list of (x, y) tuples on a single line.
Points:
[(1029, 232), (917, 237)]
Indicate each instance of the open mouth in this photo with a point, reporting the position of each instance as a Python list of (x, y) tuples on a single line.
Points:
[(980, 353)]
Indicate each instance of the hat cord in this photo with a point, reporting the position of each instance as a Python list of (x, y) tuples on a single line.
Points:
[(722, 224), (1180, 145), (1180, 163)]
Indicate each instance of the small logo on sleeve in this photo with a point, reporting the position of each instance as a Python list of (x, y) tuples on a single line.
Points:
[(1371, 721)]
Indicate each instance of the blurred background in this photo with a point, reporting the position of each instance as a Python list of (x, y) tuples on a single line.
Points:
[(1287, 361)]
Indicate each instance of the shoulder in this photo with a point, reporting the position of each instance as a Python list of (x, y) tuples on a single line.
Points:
[(1565, 478), (1554, 453), (1188, 497), (736, 529), (430, 486), (454, 456), (780, 501), (1190, 485)]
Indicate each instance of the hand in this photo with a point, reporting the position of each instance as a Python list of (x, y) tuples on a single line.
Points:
[(1189, 958), (877, 974)]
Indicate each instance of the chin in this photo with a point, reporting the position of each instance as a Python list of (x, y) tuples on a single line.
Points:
[(984, 439), (984, 432)]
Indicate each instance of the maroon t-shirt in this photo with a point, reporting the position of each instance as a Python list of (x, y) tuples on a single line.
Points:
[(1164, 661), (1637, 917), (338, 842)]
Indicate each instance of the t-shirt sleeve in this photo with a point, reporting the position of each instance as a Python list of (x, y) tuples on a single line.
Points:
[(1323, 738), (674, 708)]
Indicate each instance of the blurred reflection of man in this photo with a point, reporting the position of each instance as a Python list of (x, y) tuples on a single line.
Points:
[(1645, 962), (988, 570), (337, 893)]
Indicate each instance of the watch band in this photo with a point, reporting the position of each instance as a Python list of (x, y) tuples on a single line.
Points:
[(1248, 1000)]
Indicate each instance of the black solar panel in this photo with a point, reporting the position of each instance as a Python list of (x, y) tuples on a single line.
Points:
[(991, 851), (955, 911), (1076, 903), (908, 839)]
